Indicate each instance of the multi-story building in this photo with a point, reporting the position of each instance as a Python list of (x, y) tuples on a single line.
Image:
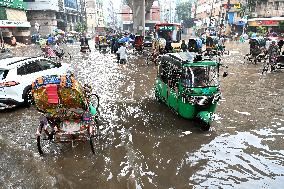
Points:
[(272, 8), (153, 16), (212, 13), (53, 14), (168, 10), (91, 15), (100, 14), (220, 12), (13, 21), (109, 14)]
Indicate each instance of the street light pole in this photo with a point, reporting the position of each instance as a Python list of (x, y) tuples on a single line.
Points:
[(143, 17)]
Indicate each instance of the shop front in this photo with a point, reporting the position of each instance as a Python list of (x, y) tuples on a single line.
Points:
[(13, 21), (270, 23)]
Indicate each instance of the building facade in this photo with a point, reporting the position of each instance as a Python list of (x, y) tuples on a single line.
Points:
[(216, 12), (168, 10), (55, 14), (109, 14), (272, 8), (13, 21), (100, 13), (91, 15)]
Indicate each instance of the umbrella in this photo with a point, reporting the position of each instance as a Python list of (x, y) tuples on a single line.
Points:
[(73, 32), (122, 40)]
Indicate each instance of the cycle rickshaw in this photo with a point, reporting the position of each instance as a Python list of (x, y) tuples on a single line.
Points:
[(69, 113)]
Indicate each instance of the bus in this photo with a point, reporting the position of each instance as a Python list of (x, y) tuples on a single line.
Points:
[(171, 32)]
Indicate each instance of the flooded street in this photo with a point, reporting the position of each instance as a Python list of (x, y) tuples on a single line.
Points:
[(143, 144)]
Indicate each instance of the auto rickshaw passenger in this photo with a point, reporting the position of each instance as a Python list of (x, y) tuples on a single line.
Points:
[(183, 46), (199, 77)]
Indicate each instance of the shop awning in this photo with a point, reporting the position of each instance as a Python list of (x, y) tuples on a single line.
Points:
[(14, 24)]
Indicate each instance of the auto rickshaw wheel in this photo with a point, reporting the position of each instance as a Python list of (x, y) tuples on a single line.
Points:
[(204, 126), (157, 96)]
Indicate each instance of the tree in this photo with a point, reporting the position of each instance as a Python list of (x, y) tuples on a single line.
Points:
[(81, 27), (184, 13), (281, 26)]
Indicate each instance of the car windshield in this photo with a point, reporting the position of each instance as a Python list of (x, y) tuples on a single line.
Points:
[(169, 33), (3, 74), (202, 76), (148, 38)]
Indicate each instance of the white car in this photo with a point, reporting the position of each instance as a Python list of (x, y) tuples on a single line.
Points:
[(17, 75)]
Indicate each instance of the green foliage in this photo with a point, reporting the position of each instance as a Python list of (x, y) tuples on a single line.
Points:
[(184, 13), (81, 27), (261, 30), (281, 26)]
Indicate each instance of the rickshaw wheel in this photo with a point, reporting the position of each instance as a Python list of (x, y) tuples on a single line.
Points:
[(44, 140), (93, 138)]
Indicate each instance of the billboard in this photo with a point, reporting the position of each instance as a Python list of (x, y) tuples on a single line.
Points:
[(71, 4), (14, 4)]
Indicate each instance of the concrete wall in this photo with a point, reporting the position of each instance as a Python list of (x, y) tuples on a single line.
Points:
[(43, 5), (46, 20)]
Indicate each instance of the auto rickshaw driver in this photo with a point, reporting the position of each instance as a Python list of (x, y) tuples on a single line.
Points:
[(199, 76)]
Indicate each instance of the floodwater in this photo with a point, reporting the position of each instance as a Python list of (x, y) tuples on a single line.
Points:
[(145, 145)]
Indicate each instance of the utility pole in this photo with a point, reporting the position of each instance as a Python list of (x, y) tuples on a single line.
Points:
[(211, 12), (143, 17)]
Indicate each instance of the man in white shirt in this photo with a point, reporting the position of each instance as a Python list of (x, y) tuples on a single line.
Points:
[(122, 54)]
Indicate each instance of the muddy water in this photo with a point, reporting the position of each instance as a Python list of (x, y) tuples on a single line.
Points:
[(145, 145)]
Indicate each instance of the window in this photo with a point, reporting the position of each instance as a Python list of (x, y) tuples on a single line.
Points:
[(30, 67), (33, 67), (276, 5), (200, 77), (46, 64), (3, 74), (165, 71), (21, 70)]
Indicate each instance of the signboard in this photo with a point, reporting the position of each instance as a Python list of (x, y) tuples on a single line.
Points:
[(263, 23), (229, 6), (14, 24), (70, 4), (167, 28), (14, 4)]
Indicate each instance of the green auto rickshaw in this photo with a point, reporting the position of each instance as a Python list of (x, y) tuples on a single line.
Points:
[(189, 84)]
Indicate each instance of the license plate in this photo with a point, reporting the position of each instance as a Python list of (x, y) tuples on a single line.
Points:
[(71, 127)]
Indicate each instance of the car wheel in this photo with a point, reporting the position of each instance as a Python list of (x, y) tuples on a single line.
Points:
[(29, 97)]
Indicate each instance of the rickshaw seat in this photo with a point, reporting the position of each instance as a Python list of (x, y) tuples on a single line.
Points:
[(51, 91)]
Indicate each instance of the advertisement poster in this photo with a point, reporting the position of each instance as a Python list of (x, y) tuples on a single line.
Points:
[(70, 4)]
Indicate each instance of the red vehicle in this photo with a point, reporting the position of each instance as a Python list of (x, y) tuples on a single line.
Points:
[(139, 43)]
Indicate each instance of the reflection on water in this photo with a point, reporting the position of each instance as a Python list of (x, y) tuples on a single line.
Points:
[(242, 160), (145, 145)]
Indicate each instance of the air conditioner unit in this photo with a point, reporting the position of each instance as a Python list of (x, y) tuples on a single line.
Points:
[(254, 14)]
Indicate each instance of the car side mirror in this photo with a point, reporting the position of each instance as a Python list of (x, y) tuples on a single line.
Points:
[(225, 74)]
